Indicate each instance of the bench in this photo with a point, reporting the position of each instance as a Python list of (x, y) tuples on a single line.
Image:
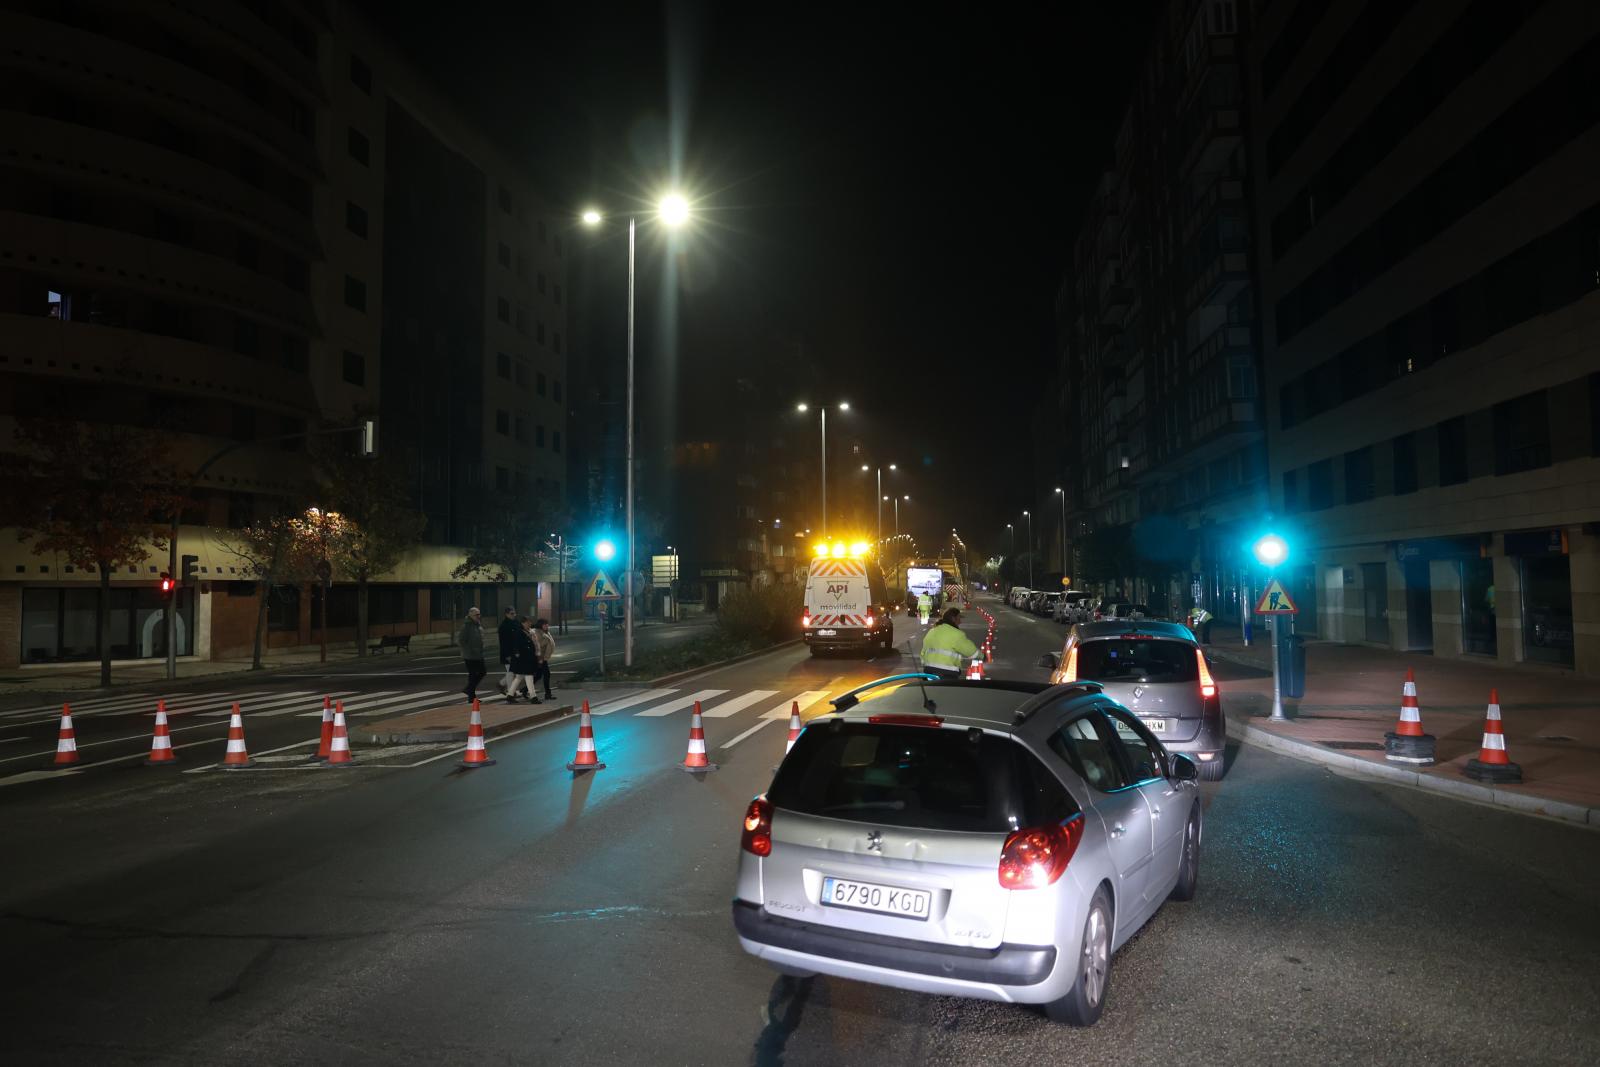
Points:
[(398, 642)]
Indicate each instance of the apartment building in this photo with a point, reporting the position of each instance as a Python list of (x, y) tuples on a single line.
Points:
[(244, 221), (1430, 264), (1163, 468)]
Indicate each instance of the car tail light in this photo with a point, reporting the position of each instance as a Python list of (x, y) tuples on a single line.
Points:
[(905, 720), (757, 836), (805, 620), (1034, 858), (1069, 673), (1208, 685), (870, 621)]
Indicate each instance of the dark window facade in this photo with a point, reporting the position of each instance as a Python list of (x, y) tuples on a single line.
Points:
[(1404, 451), (1522, 434), (1359, 483), (355, 219), (360, 148), (355, 293), (355, 368), (1320, 485), (1452, 435)]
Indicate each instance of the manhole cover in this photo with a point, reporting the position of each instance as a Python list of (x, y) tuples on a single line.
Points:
[(1363, 746), (1554, 737)]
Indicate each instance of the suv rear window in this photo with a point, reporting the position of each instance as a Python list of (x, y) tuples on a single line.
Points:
[(1137, 660), (918, 776)]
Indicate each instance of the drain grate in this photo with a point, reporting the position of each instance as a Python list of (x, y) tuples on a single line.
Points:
[(1363, 746), (1554, 737)]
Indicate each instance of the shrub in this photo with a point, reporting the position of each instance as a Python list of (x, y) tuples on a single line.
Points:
[(761, 615)]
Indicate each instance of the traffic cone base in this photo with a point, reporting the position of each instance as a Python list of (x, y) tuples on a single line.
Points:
[(585, 759), (161, 754), (237, 756), (1407, 743), (66, 740), (1479, 771), (476, 754)]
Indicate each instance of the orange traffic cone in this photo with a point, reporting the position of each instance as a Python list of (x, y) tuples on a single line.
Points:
[(1492, 764), (695, 761), (325, 745), (237, 756), (476, 755), (586, 759), (975, 671), (67, 740), (339, 747), (795, 726), (161, 742), (1407, 743)]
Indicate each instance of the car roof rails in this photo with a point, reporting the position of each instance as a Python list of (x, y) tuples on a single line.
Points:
[(1051, 695)]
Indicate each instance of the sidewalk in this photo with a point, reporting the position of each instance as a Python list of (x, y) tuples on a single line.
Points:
[(1551, 721)]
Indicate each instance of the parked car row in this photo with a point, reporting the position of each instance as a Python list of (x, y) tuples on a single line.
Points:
[(1074, 606)]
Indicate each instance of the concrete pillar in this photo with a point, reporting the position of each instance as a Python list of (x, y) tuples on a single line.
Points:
[(10, 626), (1331, 604), (202, 619), (1444, 577), (1584, 555)]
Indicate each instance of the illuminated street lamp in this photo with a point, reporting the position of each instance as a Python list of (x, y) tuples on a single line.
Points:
[(822, 409), (1029, 516), (673, 211), (1066, 570)]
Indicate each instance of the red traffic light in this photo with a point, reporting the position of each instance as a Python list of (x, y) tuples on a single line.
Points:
[(167, 584)]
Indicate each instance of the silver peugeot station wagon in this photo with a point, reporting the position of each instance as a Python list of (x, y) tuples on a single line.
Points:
[(985, 839)]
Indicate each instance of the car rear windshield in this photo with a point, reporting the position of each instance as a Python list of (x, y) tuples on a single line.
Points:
[(917, 776), (1137, 660)]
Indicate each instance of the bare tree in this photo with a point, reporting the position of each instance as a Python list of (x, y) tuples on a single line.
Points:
[(92, 492), (273, 555), (379, 524), (511, 541)]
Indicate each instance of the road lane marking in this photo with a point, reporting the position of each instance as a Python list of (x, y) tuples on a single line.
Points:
[(681, 703), (629, 701), (256, 705), (313, 700), (206, 703), (118, 740), (739, 703), (782, 711)]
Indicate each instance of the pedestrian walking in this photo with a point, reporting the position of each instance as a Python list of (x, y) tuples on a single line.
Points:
[(471, 642), (547, 653), (507, 632), (524, 662)]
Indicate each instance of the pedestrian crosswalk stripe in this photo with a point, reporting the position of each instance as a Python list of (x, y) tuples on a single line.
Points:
[(805, 700), (310, 705), (390, 705), (182, 704), (629, 701), (739, 703), (419, 703), (681, 703), (92, 702), (258, 702)]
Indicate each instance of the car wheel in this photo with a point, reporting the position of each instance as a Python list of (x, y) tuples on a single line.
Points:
[(1084, 1001), (1189, 864), (1212, 770)]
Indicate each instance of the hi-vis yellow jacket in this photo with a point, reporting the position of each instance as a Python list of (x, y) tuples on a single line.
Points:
[(946, 648)]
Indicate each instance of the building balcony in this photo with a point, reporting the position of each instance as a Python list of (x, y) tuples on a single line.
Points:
[(1221, 277), (59, 150), (88, 61), (1211, 52), (1115, 295), (1218, 194), (1217, 132), (1226, 340), (98, 257)]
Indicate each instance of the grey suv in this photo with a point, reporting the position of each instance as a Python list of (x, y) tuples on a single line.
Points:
[(995, 840), (1159, 672)]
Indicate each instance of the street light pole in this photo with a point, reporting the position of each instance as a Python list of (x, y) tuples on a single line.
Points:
[(824, 410), (627, 617), (1012, 530), (1029, 516), (1066, 569)]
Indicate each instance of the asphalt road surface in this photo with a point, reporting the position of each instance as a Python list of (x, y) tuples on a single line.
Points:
[(514, 914)]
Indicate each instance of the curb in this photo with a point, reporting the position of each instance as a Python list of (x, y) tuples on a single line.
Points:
[(373, 734), (1522, 803), (692, 671)]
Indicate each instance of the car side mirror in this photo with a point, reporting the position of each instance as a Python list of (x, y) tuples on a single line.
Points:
[(1183, 768), (1050, 660)]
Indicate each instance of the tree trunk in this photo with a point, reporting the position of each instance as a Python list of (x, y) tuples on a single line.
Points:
[(322, 621), (102, 624), (261, 624), (361, 614)]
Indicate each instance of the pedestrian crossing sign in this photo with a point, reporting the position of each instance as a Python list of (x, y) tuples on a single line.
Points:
[(1275, 600), (601, 587)]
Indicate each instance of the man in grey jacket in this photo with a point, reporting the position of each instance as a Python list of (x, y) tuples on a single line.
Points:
[(471, 642)]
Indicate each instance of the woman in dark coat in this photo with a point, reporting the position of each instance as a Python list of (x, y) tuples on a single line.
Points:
[(524, 662)]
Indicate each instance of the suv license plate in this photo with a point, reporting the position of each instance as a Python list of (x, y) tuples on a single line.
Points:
[(1156, 726), (868, 896), (827, 633)]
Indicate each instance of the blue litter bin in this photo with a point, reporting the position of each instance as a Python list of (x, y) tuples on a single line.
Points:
[(1292, 664)]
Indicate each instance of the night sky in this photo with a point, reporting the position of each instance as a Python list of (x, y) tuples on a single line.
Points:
[(892, 194)]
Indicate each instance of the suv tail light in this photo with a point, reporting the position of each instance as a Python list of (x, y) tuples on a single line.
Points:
[(871, 621), (1069, 673), (905, 720), (1034, 858), (1208, 685), (805, 620), (757, 836)]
